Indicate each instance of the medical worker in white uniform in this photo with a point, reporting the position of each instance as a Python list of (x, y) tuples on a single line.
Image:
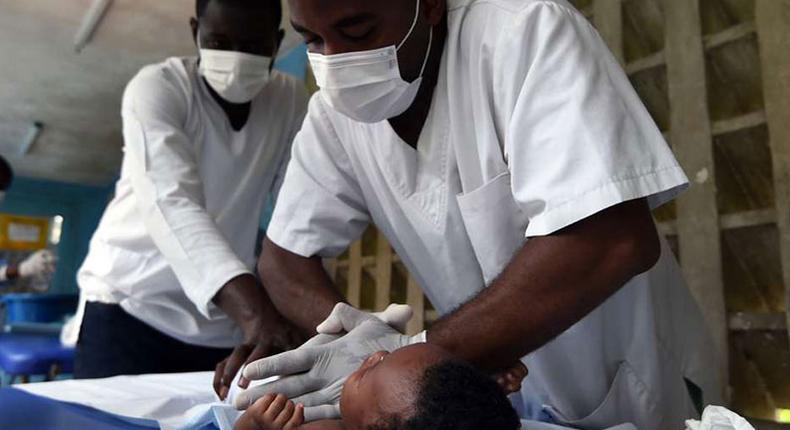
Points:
[(169, 279), (503, 152), (39, 264)]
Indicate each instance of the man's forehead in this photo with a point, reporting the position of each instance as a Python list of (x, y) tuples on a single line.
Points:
[(228, 16), (329, 12)]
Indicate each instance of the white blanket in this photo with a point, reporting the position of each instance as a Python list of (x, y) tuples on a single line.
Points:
[(171, 402)]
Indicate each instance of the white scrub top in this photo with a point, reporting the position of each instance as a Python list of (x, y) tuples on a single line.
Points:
[(533, 127), (186, 210)]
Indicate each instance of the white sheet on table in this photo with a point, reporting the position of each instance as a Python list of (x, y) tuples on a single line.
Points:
[(171, 402)]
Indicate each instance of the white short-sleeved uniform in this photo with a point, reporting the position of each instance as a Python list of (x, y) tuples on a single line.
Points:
[(186, 210), (533, 127)]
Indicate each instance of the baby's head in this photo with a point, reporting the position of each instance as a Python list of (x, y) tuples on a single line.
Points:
[(423, 387)]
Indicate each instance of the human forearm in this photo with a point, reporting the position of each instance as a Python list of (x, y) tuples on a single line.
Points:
[(298, 286), (265, 331), (246, 303), (12, 272), (552, 283)]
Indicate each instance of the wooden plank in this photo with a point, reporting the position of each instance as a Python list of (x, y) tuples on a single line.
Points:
[(667, 228), (367, 261), (383, 271), (608, 19), (767, 425), (587, 12), (742, 122), (773, 23), (729, 35), (733, 221), (698, 218), (331, 265), (743, 321), (354, 293), (747, 219), (416, 299), (647, 63)]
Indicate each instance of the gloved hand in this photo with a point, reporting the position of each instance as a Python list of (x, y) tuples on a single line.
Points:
[(315, 373), (40, 263), (396, 316)]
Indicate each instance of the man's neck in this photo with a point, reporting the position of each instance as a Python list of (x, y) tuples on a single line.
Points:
[(238, 114), (409, 124)]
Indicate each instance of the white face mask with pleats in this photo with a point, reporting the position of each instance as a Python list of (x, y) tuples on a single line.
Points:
[(236, 76), (367, 85)]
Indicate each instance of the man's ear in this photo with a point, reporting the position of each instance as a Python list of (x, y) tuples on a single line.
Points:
[(193, 24), (434, 11)]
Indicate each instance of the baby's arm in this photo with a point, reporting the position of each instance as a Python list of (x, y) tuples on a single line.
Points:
[(323, 425), (272, 412)]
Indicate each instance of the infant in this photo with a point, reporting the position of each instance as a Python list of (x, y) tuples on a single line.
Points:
[(418, 387)]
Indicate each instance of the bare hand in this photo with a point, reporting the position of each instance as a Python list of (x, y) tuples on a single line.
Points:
[(268, 339), (510, 380)]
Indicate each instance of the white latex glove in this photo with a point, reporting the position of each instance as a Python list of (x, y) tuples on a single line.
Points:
[(314, 374), (40, 263), (719, 418)]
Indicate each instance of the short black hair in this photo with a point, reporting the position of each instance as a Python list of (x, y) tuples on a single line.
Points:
[(275, 5), (6, 174), (456, 396)]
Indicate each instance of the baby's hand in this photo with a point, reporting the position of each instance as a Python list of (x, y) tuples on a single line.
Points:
[(272, 412), (510, 380)]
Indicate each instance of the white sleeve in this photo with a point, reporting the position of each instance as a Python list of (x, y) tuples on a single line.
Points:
[(320, 210), (169, 192), (579, 138)]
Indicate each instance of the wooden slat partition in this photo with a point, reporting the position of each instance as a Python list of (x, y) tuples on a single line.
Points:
[(773, 24), (698, 216), (354, 292), (608, 18), (383, 271)]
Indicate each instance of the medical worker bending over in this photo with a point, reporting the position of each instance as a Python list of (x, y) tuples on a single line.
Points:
[(38, 264), (501, 149), (168, 280)]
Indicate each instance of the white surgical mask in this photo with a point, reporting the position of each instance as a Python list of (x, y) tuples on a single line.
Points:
[(236, 76), (367, 86)]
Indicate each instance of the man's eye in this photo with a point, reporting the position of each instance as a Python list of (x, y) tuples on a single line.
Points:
[(312, 40), (359, 33), (213, 44)]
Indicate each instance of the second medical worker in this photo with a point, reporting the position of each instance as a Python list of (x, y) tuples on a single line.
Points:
[(168, 279)]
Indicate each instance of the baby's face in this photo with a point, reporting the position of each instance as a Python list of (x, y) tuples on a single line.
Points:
[(387, 384)]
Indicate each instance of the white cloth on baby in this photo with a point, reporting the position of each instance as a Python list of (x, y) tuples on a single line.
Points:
[(719, 418)]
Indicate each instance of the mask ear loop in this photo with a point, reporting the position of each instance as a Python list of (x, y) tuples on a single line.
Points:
[(411, 30), (428, 53)]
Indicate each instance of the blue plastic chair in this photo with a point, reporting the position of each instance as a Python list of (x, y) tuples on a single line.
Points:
[(23, 355)]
